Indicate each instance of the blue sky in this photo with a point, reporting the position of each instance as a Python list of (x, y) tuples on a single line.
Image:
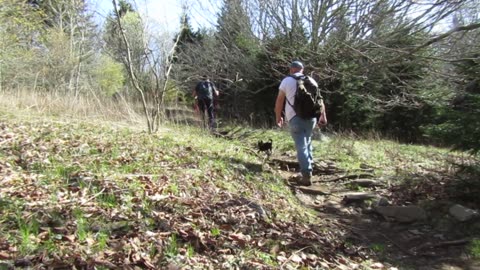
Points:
[(166, 13)]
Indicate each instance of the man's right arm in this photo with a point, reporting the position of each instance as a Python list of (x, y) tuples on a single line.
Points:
[(279, 108)]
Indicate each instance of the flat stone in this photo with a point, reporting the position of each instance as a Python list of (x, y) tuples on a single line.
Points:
[(314, 189), (382, 201), (332, 206), (305, 198), (462, 213), (364, 182), (407, 214), (357, 196), (474, 265)]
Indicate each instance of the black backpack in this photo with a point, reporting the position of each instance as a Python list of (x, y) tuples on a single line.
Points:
[(204, 89), (308, 100)]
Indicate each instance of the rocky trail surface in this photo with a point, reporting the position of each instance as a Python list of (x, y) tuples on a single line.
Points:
[(380, 216)]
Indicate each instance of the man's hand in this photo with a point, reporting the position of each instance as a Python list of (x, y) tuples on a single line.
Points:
[(280, 122), (323, 120), (279, 108)]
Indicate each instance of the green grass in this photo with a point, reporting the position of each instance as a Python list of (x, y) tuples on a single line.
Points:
[(378, 248), (28, 230), (215, 232), (266, 258), (190, 251), (171, 196), (474, 249), (49, 244), (101, 241), (171, 249), (107, 200), (81, 225)]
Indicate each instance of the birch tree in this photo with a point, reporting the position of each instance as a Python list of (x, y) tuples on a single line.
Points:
[(148, 60)]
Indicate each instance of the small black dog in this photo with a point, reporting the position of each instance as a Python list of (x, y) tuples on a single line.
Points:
[(265, 147)]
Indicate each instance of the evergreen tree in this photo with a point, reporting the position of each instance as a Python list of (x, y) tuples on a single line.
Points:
[(112, 38), (233, 25), (188, 56), (235, 59), (457, 120)]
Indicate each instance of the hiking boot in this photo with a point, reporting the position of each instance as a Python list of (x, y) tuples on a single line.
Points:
[(306, 179)]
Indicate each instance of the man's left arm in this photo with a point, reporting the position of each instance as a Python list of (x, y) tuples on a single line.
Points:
[(216, 93), (322, 121)]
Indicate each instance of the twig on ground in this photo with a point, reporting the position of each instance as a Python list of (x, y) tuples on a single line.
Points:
[(290, 258), (409, 252), (350, 176), (442, 244)]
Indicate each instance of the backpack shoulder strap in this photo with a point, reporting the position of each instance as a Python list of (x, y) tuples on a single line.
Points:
[(302, 77), (318, 94), (210, 84), (296, 78)]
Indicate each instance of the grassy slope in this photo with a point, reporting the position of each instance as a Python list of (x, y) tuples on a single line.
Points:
[(103, 195), (78, 193)]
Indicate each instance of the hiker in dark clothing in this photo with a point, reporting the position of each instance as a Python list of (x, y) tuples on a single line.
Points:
[(204, 94)]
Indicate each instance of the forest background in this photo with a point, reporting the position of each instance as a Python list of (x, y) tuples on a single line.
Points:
[(407, 70)]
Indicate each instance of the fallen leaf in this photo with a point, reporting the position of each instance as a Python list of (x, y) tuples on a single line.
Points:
[(158, 197), (377, 265), (240, 237), (295, 258), (4, 255), (70, 238)]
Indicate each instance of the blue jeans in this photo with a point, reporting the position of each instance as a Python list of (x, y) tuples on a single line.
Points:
[(301, 131)]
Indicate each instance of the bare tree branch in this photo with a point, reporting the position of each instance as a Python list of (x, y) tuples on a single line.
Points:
[(447, 34), (131, 72)]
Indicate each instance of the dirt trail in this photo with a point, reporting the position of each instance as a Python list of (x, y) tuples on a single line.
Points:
[(348, 200)]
